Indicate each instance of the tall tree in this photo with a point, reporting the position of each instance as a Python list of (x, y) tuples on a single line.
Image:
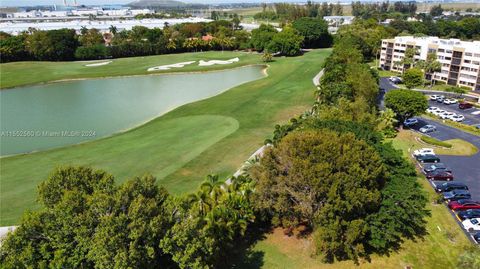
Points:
[(314, 31), (406, 103), (413, 77)]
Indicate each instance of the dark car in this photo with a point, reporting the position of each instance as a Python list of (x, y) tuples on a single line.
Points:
[(464, 105), (428, 159), (464, 204), (439, 175), (468, 214), (430, 167), (476, 237), (450, 186), (456, 195)]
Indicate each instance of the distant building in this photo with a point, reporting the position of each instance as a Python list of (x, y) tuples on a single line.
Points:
[(460, 59), (334, 22), (82, 12)]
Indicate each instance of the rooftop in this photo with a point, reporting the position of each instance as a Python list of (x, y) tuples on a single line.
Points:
[(470, 45)]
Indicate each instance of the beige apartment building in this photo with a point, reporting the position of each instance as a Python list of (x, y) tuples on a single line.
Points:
[(460, 59)]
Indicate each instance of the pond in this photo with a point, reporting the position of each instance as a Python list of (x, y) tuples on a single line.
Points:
[(41, 117)]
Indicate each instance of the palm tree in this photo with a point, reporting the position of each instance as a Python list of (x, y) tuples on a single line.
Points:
[(213, 186), (202, 200), (113, 29)]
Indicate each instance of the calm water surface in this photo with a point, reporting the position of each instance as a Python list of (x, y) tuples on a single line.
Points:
[(47, 116)]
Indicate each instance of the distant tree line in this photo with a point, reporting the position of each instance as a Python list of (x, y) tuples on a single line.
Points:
[(91, 44), (286, 12)]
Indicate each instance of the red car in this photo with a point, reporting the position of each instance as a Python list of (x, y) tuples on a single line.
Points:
[(464, 105), (440, 175), (464, 204)]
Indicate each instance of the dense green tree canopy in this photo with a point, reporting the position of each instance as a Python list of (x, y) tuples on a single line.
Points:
[(287, 42), (413, 77), (406, 103), (314, 31), (319, 177), (262, 36)]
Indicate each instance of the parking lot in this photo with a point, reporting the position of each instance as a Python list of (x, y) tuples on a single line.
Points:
[(470, 119), (466, 169)]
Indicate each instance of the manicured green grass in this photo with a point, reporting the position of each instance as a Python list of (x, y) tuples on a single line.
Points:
[(215, 135), (24, 73), (440, 248)]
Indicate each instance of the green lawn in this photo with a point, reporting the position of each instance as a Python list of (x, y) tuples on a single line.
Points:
[(440, 248), (215, 135), (24, 73)]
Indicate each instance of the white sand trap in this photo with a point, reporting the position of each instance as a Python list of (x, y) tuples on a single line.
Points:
[(169, 66), (99, 64), (212, 62)]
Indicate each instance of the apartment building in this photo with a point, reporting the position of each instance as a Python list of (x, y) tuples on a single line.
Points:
[(460, 60)]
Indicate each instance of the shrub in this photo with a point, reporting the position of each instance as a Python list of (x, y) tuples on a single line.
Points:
[(435, 142)]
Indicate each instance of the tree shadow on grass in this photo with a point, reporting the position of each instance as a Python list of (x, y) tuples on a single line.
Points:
[(245, 256)]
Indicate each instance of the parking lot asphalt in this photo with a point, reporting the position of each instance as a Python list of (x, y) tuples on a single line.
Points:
[(466, 169), (470, 119)]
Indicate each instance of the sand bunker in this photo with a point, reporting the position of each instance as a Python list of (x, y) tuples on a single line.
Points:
[(99, 64), (212, 62), (169, 66)]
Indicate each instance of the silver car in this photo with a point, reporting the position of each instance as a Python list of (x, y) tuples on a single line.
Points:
[(428, 129)]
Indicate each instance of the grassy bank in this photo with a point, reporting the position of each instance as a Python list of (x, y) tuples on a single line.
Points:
[(440, 248), (409, 141), (25, 73), (180, 148)]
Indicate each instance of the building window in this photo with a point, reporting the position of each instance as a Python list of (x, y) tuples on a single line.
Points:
[(467, 61), (468, 54), (441, 50)]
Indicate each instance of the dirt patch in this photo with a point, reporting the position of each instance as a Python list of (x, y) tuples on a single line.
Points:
[(286, 114)]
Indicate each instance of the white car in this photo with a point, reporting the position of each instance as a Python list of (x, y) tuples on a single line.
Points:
[(449, 101), (446, 115), (423, 152), (432, 109), (471, 224), (457, 118), (434, 97), (438, 112)]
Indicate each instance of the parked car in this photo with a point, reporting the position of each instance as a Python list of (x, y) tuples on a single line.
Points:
[(468, 214), (450, 186), (446, 115), (423, 151), (395, 80), (456, 195), (440, 99), (428, 159), (450, 101), (471, 224), (476, 237), (434, 97), (410, 122), (464, 204), (428, 129), (432, 109), (464, 105), (429, 167), (439, 175), (438, 112), (457, 118)]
